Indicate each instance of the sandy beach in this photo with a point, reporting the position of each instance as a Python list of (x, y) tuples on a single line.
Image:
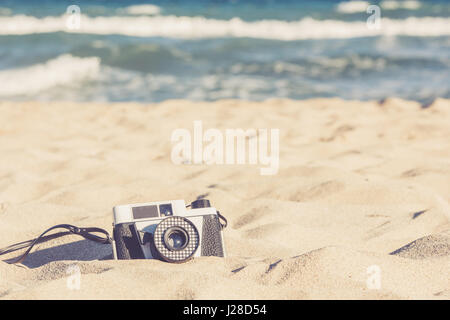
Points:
[(362, 187)]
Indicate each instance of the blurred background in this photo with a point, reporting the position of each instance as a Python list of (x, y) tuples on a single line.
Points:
[(210, 49)]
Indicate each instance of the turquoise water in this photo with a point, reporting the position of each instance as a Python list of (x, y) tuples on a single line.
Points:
[(209, 50)]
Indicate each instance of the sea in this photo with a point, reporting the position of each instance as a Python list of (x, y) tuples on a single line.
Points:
[(206, 50)]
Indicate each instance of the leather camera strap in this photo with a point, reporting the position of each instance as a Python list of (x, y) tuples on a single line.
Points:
[(87, 233)]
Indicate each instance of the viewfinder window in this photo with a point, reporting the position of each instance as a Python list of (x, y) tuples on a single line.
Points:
[(145, 212), (165, 210)]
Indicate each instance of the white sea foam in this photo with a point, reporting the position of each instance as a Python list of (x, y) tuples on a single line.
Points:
[(352, 6), (61, 71), (361, 6), (143, 9), (395, 4), (201, 27)]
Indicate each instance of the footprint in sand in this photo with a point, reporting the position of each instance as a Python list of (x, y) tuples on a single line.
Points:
[(318, 191), (413, 173), (254, 215), (3, 207), (263, 231)]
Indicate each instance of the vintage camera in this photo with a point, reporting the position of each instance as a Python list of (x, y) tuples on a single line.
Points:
[(168, 230)]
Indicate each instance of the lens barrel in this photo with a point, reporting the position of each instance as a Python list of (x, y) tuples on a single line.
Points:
[(176, 239)]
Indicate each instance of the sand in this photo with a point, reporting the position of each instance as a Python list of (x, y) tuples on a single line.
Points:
[(359, 208)]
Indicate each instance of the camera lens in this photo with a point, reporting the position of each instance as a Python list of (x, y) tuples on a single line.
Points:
[(176, 238)]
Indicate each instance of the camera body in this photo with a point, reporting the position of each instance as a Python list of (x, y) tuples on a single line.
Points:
[(167, 230)]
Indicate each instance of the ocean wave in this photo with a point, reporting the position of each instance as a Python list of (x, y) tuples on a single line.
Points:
[(5, 11), (201, 27), (395, 4), (61, 71), (336, 67), (142, 9), (361, 6), (352, 6)]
